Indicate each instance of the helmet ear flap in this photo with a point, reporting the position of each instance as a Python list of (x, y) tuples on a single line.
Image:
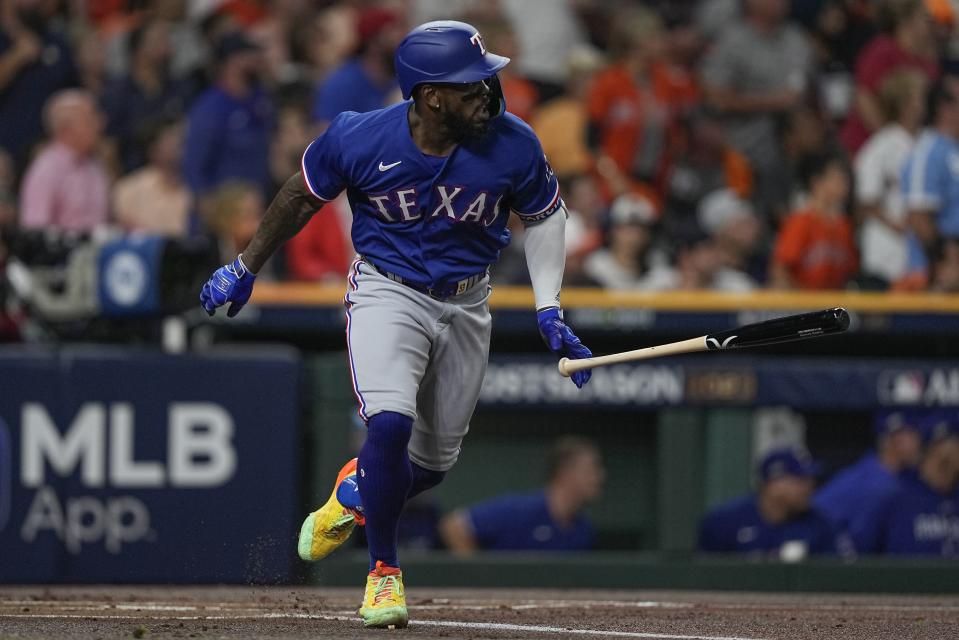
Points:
[(497, 101)]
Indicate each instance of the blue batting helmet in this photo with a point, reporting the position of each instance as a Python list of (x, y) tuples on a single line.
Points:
[(446, 51)]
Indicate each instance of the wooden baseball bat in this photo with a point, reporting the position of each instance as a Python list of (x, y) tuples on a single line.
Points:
[(787, 329)]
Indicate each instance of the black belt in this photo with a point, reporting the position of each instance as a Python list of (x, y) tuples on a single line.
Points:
[(440, 291)]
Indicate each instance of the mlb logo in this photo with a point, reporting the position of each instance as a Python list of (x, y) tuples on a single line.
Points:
[(902, 387)]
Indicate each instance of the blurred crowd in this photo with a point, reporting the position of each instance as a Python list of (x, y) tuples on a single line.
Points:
[(713, 144)]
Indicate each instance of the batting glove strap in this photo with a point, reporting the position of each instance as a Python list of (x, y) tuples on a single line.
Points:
[(562, 341)]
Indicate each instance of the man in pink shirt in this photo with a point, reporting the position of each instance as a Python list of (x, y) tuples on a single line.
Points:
[(66, 186)]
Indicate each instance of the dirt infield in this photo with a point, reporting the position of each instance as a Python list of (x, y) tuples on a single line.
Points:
[(278, 612)]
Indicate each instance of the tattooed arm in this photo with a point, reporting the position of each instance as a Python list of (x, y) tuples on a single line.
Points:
[(289, 212)]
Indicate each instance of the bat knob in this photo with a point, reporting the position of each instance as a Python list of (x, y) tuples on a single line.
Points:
[(562, 367), (842, 318)]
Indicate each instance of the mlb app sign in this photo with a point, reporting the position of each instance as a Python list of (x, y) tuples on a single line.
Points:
[(136, 469), (98, 446)]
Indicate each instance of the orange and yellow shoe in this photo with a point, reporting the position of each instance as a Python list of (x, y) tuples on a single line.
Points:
[(328, 527), (384, 603)]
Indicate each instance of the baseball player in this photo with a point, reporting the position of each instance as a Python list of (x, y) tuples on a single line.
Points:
[(431, 182), (922, 518), (550, 519), (777, 521), (855, 496)]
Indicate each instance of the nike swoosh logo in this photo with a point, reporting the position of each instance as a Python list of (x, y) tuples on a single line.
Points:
[(387, 167)]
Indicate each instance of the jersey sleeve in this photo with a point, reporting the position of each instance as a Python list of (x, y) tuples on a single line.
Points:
[(537, 192), (322, 163)]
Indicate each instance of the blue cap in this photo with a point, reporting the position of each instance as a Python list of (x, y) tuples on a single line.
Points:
[(889, 422), (792, 461), (939, 426), (445, 51)]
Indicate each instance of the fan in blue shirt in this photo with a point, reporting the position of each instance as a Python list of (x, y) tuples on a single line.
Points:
[(228, 136), (779, 520), (366, 82), (930, 175), (551, 519), (855, 496)]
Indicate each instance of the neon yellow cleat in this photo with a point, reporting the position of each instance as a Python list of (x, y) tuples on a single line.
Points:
[(328, 527), (384, 603)]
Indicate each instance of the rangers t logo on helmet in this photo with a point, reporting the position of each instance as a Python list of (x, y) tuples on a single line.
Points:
[(448, 52)]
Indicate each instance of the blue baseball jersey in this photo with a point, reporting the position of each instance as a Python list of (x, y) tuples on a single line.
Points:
[(919, 521), (523, 523), (427, 219), (930, 180), (854, 499), (738, 527)]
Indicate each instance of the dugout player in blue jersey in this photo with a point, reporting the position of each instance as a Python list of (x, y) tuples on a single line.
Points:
[(431, 182), (922, 518), (855, 496), (778, 521), (551, 519)]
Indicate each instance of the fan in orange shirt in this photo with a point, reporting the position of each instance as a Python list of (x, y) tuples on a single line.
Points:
[(562, 123), (815, 247), (635, 104)]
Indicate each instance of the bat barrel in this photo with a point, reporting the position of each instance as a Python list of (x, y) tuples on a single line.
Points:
[(788, 329), (779, 330)]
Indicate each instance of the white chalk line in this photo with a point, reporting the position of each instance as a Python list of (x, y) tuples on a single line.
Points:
[(496, 626)]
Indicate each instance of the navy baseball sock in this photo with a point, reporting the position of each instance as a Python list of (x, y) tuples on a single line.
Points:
[(384, 477), (424, 479)]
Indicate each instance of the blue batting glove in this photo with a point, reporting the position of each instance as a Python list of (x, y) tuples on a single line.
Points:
[(562, 341), (230, 283)]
